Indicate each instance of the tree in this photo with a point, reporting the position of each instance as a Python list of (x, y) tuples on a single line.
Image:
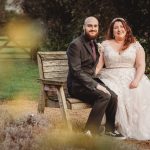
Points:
[(137, 13), (2, 14), (64, 18)]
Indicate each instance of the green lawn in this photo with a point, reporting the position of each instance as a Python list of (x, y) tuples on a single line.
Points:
[(18, 78)]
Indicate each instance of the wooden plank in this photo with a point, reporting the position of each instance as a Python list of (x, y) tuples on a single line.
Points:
[(54, 63), (42, 100), (52, 53), (78, 105), (52, 104), (16, 56), (10, 43), (53, 81), (63, 105), (3, 38), (53, 56), (74, 100), (73, 103), (15, 52), (17, 46), (56, 69), (55, 75), (40, 66)]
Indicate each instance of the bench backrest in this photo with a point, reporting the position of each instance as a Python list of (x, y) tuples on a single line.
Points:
[(53, 65)]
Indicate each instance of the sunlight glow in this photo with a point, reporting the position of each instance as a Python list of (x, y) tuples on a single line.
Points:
[(25, 32)]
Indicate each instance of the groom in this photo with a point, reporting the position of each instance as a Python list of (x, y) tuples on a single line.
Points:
[(83, 56)]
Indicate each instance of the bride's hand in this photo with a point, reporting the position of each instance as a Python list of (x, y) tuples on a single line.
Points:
[(101, 88), (133, 84)]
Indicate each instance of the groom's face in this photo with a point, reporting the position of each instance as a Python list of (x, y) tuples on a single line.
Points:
[(91, 28)]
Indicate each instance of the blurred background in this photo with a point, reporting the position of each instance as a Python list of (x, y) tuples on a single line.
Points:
[(28, 26)]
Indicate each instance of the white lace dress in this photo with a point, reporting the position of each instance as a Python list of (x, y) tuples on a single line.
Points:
[(133, 112)]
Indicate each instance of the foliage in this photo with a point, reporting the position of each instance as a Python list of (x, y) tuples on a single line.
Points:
[(18, 134), (2, 14), (2, 9), (26, 131), (64, 18), (137, 14)]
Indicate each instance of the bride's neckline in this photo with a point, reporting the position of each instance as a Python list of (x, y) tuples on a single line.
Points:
[(114, 49)]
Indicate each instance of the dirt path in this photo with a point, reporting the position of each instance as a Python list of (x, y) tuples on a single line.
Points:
[(24, 107)]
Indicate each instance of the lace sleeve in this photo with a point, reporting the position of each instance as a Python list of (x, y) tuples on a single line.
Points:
[(138, 46)]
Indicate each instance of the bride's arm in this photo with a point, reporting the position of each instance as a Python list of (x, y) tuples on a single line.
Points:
[(139, 65), (100, 63), (101, 58)]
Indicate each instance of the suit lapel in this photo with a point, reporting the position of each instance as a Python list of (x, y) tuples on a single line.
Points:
[(97, 53), (88, 48), (86, 44)]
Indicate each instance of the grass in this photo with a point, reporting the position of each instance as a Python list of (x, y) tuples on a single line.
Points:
[(63, 140), (18, 78)]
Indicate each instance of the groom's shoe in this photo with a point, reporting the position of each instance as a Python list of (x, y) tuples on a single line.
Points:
[(115, 134), (88, 133)]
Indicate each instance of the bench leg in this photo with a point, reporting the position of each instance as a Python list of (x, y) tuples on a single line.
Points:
[(42, 99), (63, 105)]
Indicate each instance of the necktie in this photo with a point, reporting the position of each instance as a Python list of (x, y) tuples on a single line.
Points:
[(93, 50)]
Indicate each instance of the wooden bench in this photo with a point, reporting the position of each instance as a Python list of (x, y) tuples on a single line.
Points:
[(53, 70)]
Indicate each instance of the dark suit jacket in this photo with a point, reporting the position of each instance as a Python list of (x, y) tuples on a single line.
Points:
[(81, 64)]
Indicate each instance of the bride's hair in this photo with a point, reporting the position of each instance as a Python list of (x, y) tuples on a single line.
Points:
[(129, 38)]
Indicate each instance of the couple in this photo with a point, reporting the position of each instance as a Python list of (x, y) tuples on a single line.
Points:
[(120, 90)]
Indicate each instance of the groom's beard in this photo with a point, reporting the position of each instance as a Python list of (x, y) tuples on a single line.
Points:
[(89, 36)]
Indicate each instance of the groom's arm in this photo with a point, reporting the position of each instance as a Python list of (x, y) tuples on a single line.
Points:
[(74, 61)]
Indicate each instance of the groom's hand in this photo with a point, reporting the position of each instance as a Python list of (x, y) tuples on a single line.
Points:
[(101, 88)]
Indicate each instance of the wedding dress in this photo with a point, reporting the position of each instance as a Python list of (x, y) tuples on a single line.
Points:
[(133, 112)]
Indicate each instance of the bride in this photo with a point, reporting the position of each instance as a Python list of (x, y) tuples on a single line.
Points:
[(124, 60)]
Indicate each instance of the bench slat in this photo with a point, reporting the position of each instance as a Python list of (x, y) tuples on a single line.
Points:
[(59, 69), (58, 81), (53, 56), (51, 75), (55, 63), (74, 103)]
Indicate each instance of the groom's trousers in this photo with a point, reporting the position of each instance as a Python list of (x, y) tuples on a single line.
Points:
[(101, 103)]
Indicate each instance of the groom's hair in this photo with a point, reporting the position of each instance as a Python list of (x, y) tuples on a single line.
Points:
[(91, 18)]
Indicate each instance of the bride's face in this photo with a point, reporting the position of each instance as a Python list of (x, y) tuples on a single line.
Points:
[(119, 31)]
